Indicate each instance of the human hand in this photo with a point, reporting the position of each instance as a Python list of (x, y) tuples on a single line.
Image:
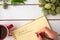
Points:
[(49, 33)]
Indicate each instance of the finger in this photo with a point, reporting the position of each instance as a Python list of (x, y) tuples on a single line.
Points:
[(38, 36), (43, 30), (50, 33), (47, 31)]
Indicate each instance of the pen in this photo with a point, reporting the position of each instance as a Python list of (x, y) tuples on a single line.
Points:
[(44, 36)]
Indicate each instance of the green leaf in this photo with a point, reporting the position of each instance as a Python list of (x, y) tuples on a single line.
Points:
[(59, 0), (57, 4), (15, 2)]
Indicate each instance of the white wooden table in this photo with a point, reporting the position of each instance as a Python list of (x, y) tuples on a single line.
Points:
[(22, 14)]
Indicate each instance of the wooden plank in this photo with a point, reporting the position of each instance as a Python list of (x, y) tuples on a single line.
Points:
[(23, 12), (28, 2), (54, 17), (32, 2), (54, 24), (20, 12), (11, 38), (15, 23)]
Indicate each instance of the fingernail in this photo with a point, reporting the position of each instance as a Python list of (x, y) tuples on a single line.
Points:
[(37, 34)]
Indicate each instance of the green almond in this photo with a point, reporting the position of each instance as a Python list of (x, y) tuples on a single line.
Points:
[(53, 7), (5, 5), (48, 6), (45, 11), (53, 1), (52, 12), (58, 10), (43, 2)]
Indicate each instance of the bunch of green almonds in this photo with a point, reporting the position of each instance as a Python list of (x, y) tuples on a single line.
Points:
[(50, 6)]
